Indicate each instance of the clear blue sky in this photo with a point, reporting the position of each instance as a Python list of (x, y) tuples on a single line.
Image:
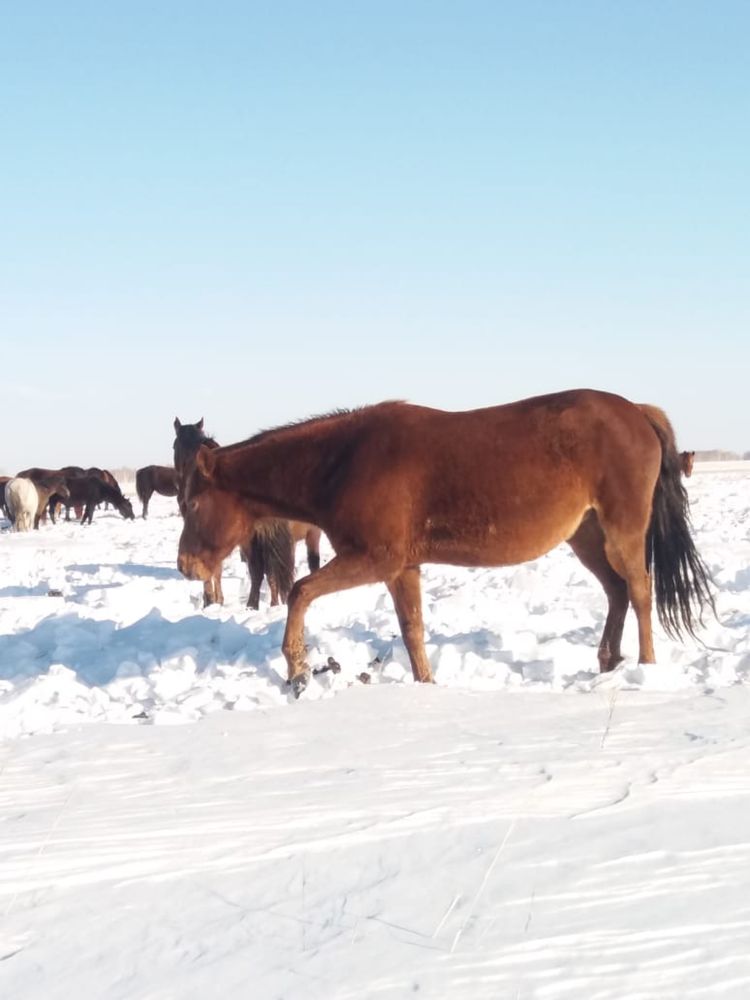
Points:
[(254, 212)]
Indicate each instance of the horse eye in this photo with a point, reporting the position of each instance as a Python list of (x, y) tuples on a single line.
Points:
[(193, 505)]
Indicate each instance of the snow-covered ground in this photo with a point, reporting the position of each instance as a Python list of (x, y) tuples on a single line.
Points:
[(523, 829)]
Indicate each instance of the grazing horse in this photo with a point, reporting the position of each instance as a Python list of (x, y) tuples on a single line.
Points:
[(87, 492), (155, 479), (395, 485), (268, 551), (686, 463), (22, 499), (37, 474)]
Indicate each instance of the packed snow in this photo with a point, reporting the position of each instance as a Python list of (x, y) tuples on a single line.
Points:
[(173, 824)]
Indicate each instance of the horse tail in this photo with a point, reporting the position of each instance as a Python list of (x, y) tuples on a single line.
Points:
[(140, 486), (681, 578), (272, 548), (655, 415)]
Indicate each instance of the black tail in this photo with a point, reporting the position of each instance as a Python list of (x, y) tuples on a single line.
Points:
[(140, 486), (680, 577), (272, 552)]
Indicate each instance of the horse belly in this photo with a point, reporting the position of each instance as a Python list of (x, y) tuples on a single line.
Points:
[(503, 540)]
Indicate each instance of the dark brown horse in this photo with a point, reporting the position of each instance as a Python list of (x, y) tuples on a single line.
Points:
[(269, 551), (155, 479), (394, 486), (87, 492)]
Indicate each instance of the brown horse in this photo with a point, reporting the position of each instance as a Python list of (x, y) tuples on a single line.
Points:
[(269, 551), (155, 479), (394, 486), (686, 463)]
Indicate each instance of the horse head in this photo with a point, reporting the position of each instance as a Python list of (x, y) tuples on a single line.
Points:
[(686, 463), (215, 521)]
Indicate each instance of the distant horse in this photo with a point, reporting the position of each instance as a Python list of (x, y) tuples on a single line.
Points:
[(37, 473), (268, 551), (660, 417), (46, 487), (89, 491), (155, 479), (686, 463), (395, 485), (21, 498)]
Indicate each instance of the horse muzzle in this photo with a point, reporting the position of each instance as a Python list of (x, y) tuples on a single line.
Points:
[(192, 568)]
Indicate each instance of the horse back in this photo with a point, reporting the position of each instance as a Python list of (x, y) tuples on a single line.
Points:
[(494, 485)]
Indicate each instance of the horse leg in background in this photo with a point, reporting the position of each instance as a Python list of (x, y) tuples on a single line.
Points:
[(406, 592), (253, 556), (588, 545), (342, 573), (312, 543), (145, 499)]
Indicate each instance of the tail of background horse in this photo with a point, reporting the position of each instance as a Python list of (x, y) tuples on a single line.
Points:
[(680, 577), (272, 555), (142, 488)]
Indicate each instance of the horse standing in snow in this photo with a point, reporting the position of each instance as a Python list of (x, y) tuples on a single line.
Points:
[(22, 500), (395, 485), (152, 479)]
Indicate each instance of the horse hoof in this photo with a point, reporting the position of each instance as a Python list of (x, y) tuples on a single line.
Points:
[(299, 683)]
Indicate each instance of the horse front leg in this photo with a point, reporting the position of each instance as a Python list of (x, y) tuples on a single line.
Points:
[(341, 573), (212, 592)]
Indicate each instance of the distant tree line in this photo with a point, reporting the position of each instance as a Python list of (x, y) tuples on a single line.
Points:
[(718, 455)]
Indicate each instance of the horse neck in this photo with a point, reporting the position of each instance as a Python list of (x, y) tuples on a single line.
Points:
[(109, 493), (282, 476)]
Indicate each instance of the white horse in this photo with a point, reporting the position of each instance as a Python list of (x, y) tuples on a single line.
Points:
[(22, 500)]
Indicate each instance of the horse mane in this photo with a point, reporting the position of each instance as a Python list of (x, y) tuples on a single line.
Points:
[(191, 438), (309, 423)]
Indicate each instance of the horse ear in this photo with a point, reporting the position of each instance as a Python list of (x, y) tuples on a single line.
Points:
[(199, 425), (205, 462), (177, 424)]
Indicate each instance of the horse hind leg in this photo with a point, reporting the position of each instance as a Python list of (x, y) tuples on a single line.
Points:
[(406, 592), (312, 543), (253, 556), (588, 545), (625, 548)]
